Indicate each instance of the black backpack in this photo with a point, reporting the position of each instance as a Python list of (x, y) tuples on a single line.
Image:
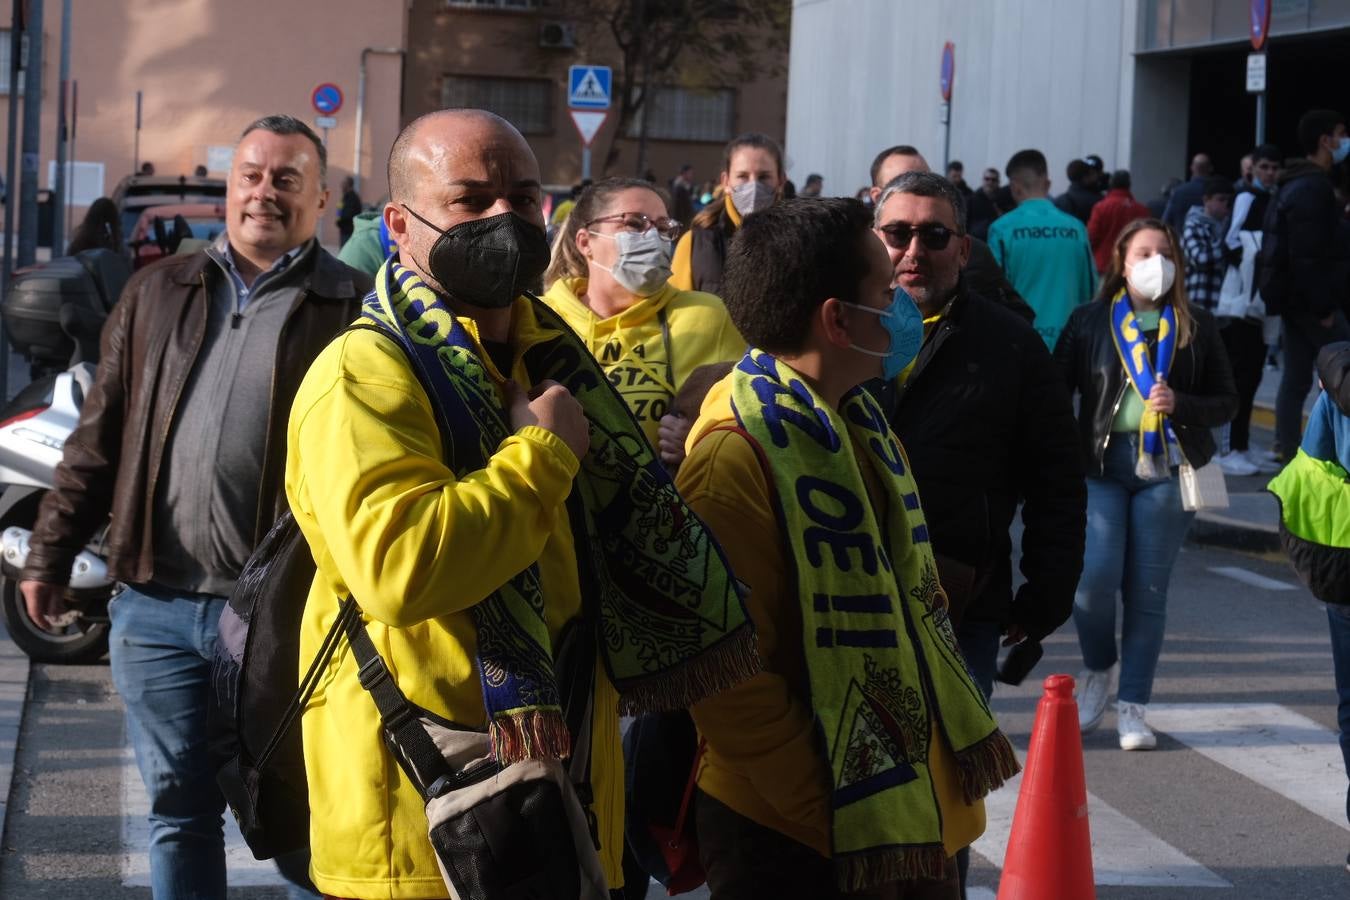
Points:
[(254, 702), (254, 705)]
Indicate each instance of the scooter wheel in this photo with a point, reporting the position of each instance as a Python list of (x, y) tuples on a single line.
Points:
[(81, 642)]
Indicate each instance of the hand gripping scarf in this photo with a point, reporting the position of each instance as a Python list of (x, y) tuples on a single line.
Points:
[(1157, 442), (673, 626), (881, 653)]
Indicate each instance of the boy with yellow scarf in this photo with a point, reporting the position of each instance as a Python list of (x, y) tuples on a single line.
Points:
[(855, 764)]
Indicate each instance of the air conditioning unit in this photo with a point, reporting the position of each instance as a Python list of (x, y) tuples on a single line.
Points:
[(557, 36)]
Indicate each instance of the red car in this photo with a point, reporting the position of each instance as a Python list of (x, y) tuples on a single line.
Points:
[(161, 229)]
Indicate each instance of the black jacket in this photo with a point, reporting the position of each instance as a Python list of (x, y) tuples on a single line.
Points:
[(1304, 266), (1078, 201), (986, 423), (1333, 368), (708, 253), (1200, 377)]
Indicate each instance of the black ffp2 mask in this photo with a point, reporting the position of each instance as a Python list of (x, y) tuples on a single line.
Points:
[(487, 262)]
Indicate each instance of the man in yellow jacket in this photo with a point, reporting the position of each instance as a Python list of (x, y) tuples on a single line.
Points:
[(431, 458), (855, 762)]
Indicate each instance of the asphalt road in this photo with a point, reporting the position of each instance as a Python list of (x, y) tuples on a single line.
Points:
[(1218, 819)]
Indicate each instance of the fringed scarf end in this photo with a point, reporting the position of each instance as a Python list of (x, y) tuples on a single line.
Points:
[(734, 659), (985, 766), (530, 734), (864, 871)]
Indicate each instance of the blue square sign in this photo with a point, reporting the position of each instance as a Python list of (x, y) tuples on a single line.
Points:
[(588, 87)]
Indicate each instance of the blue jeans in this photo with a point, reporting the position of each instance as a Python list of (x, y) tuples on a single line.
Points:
[(160, 646), (979, 645), (1134, 531), (1339, 619)]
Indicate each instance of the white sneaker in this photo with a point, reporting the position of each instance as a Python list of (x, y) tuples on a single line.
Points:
[(1265, 462), (1235, 463), (1094, 689), (1134, 732)]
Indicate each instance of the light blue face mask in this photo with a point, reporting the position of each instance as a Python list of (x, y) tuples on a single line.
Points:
[(903, 321), (1342, 150)]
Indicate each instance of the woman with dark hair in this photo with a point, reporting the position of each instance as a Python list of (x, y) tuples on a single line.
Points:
[(610, 280), (1154, 380), (101, 228), (752, 179)]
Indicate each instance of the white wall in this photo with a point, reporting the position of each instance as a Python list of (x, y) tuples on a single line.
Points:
[(1056, 75)]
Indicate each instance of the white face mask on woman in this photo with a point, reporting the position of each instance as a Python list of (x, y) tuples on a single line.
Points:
[(643, 265), (1152, 277), (751, 197)]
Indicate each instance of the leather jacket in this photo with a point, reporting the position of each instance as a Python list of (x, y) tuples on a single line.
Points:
[(111, 463), (1201, 378)]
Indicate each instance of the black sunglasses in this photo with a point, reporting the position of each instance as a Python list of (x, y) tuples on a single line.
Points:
[(933, 237)]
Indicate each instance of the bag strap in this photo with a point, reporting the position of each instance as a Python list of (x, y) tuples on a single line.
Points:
[(417, 754)]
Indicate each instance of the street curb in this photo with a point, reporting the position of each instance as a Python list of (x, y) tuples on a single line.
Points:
[(1230, 534), (1249, 524), (14, 668)]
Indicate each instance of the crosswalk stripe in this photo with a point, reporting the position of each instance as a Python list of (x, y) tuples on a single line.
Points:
[(241, 869), (1239, 574), (1124, 853), (1266, 743)]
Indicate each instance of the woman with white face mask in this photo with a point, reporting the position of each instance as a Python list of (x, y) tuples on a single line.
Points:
[(1154, 380), (610, 280), (752, 180)]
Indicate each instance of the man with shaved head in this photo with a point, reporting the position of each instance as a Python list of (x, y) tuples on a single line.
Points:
[(462, 469)]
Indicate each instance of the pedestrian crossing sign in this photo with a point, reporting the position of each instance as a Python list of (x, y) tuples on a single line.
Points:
[(588, 87)]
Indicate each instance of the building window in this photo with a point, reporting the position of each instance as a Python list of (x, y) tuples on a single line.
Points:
[(524, 102), (493, 4), (681, 114)]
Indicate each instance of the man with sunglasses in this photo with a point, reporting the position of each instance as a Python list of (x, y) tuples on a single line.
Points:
[(986, 420), (981, 270)]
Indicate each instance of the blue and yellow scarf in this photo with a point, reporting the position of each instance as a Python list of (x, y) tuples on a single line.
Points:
[(1158, 448), (885, 671), (673, 626)]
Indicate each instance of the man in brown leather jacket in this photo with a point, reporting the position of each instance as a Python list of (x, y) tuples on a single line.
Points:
[(182, 440)]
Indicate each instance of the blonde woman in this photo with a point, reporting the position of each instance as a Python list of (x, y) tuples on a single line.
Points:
[(610, 279), (1154, 380)]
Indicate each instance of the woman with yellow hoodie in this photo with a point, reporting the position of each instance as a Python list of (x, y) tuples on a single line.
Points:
[(610, 281), (752, 179)]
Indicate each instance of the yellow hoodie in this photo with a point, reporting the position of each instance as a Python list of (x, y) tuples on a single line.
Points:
[(417, 547), (645, 367), (765, 757)]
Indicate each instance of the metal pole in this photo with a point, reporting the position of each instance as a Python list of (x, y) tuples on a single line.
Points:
[(74, 118), (60, 188), (585, 162), (1260, 118), (32, 139), (136, 141), (11, 192), (361, 109), (947, 139), (15, 52)]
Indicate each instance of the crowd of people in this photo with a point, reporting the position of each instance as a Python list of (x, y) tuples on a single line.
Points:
[(768, 452)]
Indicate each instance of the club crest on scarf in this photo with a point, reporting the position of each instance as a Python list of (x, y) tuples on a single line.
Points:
[(672, 620)]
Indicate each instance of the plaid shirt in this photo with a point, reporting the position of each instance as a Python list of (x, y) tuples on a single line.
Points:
[(1202, 242)]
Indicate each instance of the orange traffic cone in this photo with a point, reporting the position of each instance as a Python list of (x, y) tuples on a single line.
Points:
[(1050, 849)]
